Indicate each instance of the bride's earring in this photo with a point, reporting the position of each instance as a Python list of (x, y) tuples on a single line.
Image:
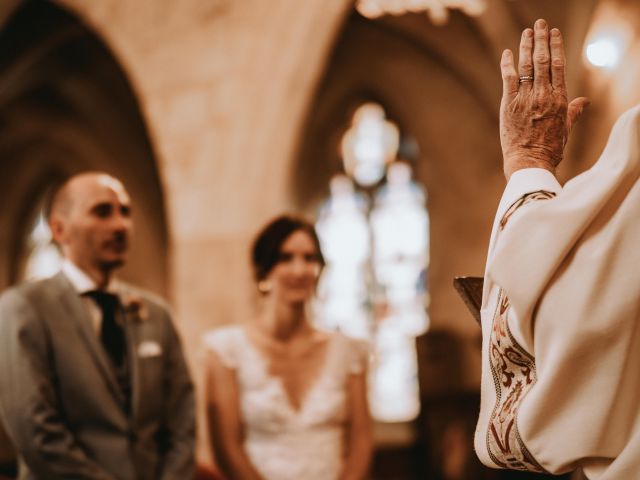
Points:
[(265, 286)]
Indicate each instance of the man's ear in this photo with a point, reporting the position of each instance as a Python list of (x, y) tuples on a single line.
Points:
[(58, 230)]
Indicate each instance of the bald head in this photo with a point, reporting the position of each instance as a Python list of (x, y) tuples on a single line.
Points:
[(78, 187), (90, 219)]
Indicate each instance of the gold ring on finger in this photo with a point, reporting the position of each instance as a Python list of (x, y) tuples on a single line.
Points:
[(526, 78)]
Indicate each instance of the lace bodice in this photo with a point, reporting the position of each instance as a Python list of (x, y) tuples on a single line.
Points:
[(283, 442)]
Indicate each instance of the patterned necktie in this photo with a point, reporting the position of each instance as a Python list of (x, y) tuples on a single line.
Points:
[(111, 332)]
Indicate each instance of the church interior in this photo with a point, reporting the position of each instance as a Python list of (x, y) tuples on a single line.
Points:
[(219, 115)]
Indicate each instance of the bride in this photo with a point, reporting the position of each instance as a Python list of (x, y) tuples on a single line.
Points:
[(285, 400)]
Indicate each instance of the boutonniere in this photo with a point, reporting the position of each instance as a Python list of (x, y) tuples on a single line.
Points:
[(135, 308)]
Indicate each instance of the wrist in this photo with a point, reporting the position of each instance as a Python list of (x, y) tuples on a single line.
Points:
[(512, 165)]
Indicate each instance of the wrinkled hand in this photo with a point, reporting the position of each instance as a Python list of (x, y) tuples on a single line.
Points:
[(535, 118)]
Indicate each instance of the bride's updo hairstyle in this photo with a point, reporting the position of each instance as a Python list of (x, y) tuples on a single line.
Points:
[(265, 253)]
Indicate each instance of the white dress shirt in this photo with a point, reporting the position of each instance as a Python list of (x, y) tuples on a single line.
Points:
[(83, 283)]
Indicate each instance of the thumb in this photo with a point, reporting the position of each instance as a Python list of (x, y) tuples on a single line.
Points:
[(575, 110)]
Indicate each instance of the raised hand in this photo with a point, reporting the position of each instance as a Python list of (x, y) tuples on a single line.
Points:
[(535, 117)]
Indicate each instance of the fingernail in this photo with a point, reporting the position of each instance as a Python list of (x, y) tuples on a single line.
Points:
[(555, 32), (540, 23), (528, 32)]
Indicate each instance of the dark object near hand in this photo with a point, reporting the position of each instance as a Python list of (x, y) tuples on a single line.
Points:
[(470, 289)]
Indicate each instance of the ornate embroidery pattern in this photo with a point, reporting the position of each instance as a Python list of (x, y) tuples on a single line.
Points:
[(514, 373), (528, 198)]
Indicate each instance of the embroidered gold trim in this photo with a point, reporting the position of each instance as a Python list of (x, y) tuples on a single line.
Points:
[(514, 374), (522, 201)]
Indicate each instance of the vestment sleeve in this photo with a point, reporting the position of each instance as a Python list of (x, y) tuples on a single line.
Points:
[(525, 188), (520, 190), (508, 363), (28, 404)]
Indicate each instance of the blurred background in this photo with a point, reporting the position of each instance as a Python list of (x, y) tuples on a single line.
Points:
[(376, 119)]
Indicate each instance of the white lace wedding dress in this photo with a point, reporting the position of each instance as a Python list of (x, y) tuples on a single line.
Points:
[(284, 443)]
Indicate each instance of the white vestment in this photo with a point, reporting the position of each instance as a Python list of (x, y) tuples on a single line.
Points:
[(560, 317)]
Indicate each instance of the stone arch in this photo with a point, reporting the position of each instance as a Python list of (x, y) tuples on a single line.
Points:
[(67, 105), (409, 67)]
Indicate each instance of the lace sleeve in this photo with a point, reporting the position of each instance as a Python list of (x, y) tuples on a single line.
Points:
[(221, 342)]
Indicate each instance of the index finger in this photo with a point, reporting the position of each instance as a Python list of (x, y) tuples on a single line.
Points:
[(557, 60), (541, 55)]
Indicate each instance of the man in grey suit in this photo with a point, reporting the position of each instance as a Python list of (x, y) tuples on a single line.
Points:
[(93, 382)]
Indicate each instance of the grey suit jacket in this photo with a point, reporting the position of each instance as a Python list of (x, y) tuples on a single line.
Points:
[(61, 403)]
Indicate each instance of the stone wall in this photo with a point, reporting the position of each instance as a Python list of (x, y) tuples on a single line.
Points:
[(224, 86)]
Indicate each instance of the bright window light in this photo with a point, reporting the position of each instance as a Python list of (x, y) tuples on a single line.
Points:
[(370, 145), (44, 258), (604, 52), (376, 245)]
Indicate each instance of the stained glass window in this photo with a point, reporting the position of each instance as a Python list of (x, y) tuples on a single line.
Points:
[(376, 243)]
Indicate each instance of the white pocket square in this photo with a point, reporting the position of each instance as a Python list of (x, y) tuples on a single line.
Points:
[(149, 348)]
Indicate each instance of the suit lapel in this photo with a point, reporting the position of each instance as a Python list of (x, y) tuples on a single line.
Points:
[(73, 308), (131, 329)]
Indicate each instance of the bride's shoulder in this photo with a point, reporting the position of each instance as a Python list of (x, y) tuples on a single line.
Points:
[(224, 340), (228, 344)]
